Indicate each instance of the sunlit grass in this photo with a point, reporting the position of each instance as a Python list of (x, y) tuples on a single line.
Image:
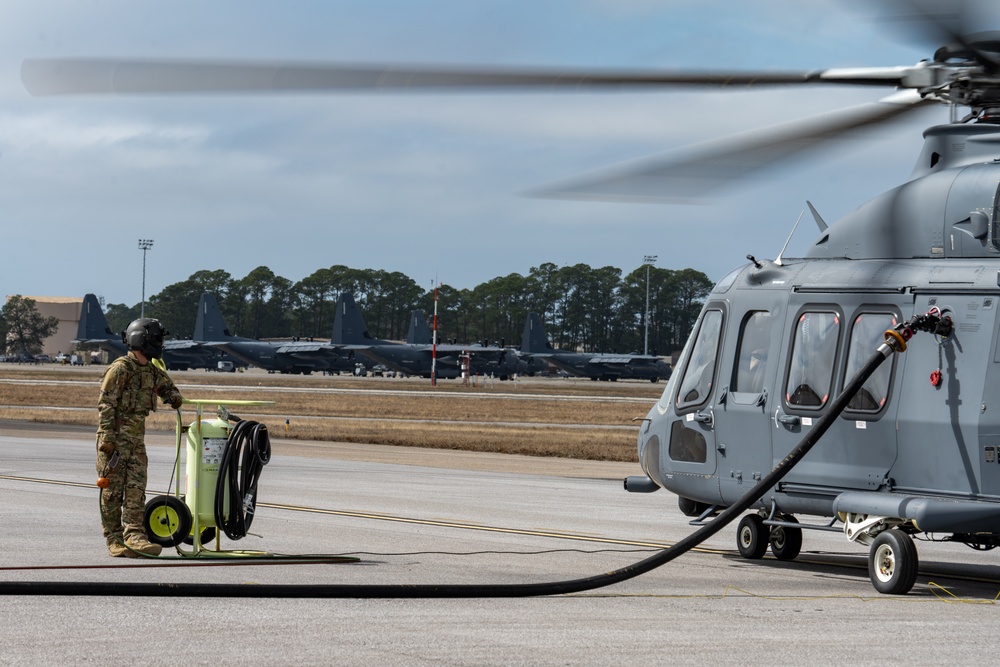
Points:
[(538, 418)]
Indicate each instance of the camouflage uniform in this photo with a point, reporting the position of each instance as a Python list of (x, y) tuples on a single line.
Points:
[(128, 393)]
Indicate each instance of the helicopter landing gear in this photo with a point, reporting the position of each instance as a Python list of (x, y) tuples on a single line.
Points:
[(786, 541), (892, 557), (751, 537), (893, 562)]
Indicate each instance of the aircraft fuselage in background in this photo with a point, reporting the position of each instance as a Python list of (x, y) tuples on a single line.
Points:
[(596, 366), (93, 329)]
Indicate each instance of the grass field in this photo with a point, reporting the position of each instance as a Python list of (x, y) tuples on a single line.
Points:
[(540, 417)]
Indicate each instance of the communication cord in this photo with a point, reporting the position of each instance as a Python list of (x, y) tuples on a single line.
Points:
[(895, 341)]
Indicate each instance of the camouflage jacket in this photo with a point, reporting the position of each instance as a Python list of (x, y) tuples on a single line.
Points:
[(128, 394)]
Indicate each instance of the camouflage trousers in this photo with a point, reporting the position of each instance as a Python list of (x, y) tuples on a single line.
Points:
[(123, 502)]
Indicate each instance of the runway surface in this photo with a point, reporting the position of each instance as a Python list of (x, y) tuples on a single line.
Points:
[(432, 517)]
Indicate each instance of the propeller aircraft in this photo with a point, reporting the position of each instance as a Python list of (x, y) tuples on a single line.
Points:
[(481, 358), (416, 357), (917, 451), (295, 356), (178, 354), (596, 366)]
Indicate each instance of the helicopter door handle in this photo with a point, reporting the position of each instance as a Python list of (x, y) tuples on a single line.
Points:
[(787, 420), (704, 418)]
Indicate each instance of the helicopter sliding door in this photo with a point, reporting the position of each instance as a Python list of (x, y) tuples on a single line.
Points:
[(827, 342), (742, 424)]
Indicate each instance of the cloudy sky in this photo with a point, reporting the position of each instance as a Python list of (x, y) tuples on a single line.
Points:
[(429, 185)]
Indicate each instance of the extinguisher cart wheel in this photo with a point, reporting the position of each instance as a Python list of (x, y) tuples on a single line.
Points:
[(167, 520)]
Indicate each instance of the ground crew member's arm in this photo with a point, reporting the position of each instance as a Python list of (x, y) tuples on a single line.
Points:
[(166, 389), (108, 408)]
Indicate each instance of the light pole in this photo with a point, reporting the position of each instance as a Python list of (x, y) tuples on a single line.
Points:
[(648, 260), (144, 245)]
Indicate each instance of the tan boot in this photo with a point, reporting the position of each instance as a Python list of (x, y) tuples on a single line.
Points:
[(117, 549), (143, 546)]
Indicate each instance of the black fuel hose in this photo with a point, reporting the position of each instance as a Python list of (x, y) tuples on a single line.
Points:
[(375, 591), (248, 449)]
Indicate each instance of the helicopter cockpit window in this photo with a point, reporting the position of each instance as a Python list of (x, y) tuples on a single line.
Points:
[(814, 350), (699, 375), (867, 333), (751, 361)]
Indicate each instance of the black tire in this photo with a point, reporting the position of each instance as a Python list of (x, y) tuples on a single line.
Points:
[(207, 535), (167, 520), (751, 537), (786, 543), (893, 563)]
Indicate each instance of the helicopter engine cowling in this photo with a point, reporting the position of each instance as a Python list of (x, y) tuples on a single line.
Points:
[(944, 213)]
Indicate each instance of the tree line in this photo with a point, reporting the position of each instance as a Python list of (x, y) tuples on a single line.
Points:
[(584, 308)]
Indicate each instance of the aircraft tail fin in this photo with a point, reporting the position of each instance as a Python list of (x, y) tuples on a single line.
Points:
[(533, 339), (348, 326), (419, 333), (93, 325), (210, 326)]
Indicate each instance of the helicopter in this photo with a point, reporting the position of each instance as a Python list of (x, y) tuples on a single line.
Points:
[(917, 451)]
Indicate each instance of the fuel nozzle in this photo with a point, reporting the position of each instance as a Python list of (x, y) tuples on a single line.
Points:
[(933, 321), (102, 481)]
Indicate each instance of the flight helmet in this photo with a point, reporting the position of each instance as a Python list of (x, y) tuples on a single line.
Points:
[(146, 335)]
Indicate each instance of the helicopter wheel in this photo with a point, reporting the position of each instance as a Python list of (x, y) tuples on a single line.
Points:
[(893, 563), (751, 537), (786, 542)]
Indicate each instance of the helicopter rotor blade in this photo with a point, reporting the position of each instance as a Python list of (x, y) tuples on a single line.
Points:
[(82, 76), (957, 22), (667, 178)]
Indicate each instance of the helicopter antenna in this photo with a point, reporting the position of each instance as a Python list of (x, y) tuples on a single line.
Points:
[(820, 222), (777, 260)]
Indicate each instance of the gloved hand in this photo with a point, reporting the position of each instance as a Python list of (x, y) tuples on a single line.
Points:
[(106, 446), (176, 401)]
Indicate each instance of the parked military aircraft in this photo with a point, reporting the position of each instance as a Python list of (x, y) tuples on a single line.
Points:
[(350, 331), (483, 359), (595, 365), (178, 354), (295, 356)]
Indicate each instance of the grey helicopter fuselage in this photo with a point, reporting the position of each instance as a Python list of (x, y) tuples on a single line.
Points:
[(775, 341)]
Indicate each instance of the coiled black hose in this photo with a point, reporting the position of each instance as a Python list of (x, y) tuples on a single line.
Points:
[(247, 451)]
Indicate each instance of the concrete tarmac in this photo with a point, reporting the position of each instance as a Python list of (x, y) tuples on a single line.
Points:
[(431, 517)]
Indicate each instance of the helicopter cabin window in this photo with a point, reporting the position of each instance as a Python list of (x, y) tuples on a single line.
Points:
[(699, 375), (867, 333), (814, 350), (751, 360)]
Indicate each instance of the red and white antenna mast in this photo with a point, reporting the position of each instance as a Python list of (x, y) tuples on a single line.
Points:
[(434, 337)]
